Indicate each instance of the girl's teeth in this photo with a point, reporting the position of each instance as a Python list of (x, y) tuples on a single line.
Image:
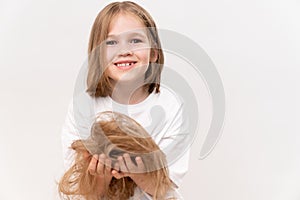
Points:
[(123, 64)]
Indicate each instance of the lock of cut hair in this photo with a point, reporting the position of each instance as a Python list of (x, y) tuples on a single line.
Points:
[(114, 134)]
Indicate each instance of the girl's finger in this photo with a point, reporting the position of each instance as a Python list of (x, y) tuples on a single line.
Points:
[(122, 164), (93, 165), (130, 165), (115, 171), (100, 165), (116, 167), (117, 175), (140, 165), (107, 166)]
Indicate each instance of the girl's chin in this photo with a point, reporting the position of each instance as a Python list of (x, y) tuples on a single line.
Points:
[(128, 78), (128, 73)]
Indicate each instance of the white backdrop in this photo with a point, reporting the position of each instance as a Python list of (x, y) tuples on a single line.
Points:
[(255, 46)]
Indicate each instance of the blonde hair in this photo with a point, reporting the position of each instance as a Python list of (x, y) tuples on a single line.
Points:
[(114, 134), (98, 82)]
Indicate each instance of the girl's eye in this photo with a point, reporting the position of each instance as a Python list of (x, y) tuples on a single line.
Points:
[(136, 41), (111, 42)]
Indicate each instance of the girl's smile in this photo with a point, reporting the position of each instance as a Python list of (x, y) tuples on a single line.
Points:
[(125, 64)]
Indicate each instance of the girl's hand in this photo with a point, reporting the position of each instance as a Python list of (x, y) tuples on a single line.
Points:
[(100, 166), (125, 167)]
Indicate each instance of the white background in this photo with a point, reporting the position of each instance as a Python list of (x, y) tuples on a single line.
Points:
[(255, 46)]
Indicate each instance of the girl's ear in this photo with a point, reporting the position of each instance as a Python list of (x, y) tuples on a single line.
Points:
[(153, 55)]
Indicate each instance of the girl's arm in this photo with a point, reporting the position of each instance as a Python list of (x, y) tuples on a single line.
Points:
[(145, 181), (69, 134), (75, 127)]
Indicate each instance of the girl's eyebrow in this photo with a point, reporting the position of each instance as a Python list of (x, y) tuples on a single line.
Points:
[(138, 34), (111, 36)]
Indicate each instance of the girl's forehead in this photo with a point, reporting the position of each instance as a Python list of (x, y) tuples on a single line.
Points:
[(125, 22)]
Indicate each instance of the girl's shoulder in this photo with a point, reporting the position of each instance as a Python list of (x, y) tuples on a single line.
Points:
[(168, 97)]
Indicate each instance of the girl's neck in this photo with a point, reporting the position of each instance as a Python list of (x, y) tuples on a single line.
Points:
[(129, 93)]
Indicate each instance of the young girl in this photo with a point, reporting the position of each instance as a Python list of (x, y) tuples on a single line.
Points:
[(124, 70), (108, 138)]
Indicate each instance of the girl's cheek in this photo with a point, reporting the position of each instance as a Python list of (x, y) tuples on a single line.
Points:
[(144, 55), (111, 54)]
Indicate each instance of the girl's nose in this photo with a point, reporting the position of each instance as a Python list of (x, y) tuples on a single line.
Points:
[(125, 52)]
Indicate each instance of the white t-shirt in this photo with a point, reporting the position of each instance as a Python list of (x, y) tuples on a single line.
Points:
[(161, 114)]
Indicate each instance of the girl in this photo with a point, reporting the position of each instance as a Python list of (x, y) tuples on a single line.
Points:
[(108, 138), (124, 69)]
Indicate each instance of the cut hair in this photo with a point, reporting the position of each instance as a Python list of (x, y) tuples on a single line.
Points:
[(114, 134)]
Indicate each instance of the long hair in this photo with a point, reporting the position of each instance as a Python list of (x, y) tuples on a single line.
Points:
[(114, 134), (98, 82)]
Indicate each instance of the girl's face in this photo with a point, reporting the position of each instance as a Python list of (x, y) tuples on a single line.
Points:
[(127, 49)]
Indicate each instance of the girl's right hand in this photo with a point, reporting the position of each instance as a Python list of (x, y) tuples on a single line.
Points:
[(100, 166)]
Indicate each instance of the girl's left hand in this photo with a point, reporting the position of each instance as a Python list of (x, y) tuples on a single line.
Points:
[(125, 167)]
